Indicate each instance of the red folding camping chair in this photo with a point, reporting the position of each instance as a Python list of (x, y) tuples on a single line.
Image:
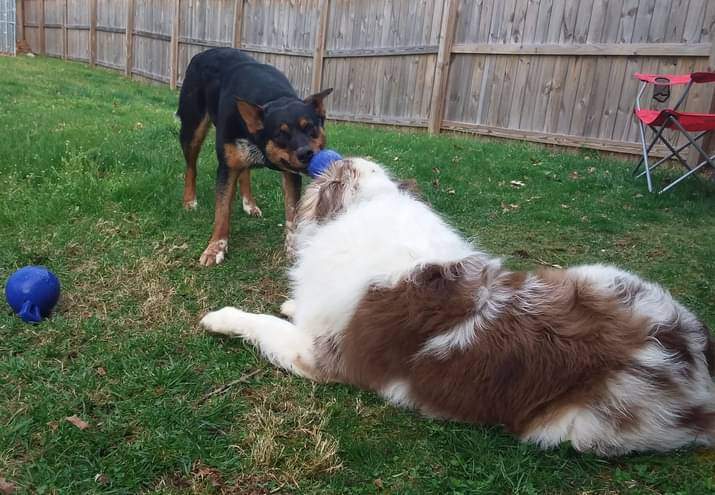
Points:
[(672, 118)]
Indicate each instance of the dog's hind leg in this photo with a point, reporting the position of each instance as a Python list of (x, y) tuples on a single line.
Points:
[(284, 344), (247, 199), (195, 124)]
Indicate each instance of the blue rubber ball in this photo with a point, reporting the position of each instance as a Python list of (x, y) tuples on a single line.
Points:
[(32, 292), (321, 161)]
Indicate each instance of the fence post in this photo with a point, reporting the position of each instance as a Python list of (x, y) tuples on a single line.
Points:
[(19, 20), (441, 73), (319, 54), (174, 54), (92, 33), (42, 27), (129, 40), (237, 22), (64, 30)]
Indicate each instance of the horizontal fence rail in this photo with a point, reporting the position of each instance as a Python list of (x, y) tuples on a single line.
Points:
[(550, 71)]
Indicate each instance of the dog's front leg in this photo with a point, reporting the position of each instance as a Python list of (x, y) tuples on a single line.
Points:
[(232, 162), (215, 252), (283, 344), (291, 195)]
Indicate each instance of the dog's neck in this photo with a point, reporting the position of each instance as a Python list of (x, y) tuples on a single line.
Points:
[(280, 101)]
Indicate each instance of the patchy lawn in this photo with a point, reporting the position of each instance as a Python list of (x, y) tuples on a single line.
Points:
[(90, 185)]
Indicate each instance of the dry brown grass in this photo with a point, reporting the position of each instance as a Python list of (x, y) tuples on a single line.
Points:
[(287, 436), (105, 292)]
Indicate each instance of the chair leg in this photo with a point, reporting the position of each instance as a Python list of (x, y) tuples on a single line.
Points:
[(650, 147), (664, 159), (688, 174), (645, 158), (708, 159)]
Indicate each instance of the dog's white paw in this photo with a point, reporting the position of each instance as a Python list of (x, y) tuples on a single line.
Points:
[(288, 308), (227, 321), (190, 205), (214, 253), (251, 208)]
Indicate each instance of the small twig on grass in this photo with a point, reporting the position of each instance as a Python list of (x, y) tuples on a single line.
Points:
[(546, 263), (223, 388)]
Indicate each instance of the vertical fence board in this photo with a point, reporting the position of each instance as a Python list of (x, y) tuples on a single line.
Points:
[(548, 70)]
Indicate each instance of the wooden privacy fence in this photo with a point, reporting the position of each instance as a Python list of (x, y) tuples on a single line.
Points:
[(553, 71)]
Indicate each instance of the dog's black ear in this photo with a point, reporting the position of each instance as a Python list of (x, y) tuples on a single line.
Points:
[(251, 114), (316, 101)]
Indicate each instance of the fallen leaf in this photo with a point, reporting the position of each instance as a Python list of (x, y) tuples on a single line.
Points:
[(6, 488), (451, 191), (396, 158), (53, 425), (101, 371), (591, 170), (435, 183), (574, 175), (82, 425), (517, 183), (378, 483), (566, 207), (435, 170)]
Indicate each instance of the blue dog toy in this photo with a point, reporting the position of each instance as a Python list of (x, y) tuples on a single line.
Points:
[(32, 292), (321, 161)]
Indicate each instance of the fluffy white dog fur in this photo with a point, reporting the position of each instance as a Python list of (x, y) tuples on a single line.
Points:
[(388, 297)]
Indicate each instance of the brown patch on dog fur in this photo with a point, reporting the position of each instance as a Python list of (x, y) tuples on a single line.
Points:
[(191, 153), (278, 155), (698, 419), (317, 101), (252, 115), (303, 122), (318, 143), (236, 158), (224, 203), (527, 366), (284, 128), (674, 340), (325, 197)]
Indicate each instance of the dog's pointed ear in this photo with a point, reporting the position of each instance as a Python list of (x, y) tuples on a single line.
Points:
[(316, 101), (251, 114)]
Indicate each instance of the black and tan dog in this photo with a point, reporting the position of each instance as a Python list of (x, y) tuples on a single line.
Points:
[(259, 120)]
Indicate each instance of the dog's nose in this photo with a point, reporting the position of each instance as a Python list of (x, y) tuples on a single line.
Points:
[(304, 154)]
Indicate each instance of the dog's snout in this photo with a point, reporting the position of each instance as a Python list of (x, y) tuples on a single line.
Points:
[(305, 154)]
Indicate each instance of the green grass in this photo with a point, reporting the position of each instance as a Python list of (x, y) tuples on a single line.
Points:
[(90, 185)]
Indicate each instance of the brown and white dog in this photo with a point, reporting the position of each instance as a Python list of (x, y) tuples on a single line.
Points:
[(388, 297)]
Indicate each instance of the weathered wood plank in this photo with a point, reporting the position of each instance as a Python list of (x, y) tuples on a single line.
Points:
[(321, 34), (237, 22), (551, 138), (129, 39), (589, 49), (43, 46), (92, 32), (449, 19), (174, 61)]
